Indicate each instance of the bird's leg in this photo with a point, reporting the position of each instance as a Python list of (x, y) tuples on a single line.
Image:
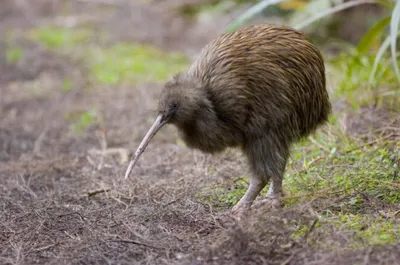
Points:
[(267, 157), (275, 193), (254, 189)]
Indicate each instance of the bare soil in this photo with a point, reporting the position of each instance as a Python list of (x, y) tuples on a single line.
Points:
[(63, 199)]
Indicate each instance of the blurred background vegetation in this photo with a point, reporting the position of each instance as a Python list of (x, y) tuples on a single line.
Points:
[(358, 38)]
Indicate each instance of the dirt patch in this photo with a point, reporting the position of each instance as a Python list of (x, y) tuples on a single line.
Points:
[(370, 123)]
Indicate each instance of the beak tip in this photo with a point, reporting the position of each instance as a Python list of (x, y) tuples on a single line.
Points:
[(129, 169), (153, 130)]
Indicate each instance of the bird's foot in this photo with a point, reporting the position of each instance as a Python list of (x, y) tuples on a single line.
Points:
[(270, 202), (240, 210)]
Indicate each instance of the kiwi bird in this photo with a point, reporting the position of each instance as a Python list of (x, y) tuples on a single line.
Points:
[(260, 88)]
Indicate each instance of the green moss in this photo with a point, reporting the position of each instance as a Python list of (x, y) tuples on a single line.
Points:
[(133, 63), (14, 54), (57, 37), (368, 229)]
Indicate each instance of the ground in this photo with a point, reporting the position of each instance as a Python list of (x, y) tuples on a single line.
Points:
[(79, 87)]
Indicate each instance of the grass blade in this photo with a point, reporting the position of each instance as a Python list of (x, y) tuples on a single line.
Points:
[(373, 33), (251, 12), (333, 10), (394, 26), (385, 45)]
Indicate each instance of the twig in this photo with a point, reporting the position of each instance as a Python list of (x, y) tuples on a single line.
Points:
[(39, 141), (71, 213), (396, 185), (318, 192), (305, 169), (133, 242), (319, 145), (310, 229), (367, 144), (95, 192), (123, 152), (44, 248), (366, 258), (347, 151), (288, 260)]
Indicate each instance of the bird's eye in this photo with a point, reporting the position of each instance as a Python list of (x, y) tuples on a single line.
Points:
[(174, 105)]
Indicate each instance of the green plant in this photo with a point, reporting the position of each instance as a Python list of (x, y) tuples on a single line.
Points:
[(57, 37), (14, 54), (134, 63), (82, 120), (66, 85)]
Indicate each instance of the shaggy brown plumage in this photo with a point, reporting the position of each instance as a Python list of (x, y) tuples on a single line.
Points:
[(259, 88)]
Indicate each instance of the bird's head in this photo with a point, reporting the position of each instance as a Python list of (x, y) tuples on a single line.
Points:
[(182, 100)]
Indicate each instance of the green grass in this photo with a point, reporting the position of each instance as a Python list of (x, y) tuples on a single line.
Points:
[(133, 63), (216, 7), (122, 63), (347, 181), (351, 169), (14, 54), (350, 166), (60, 37), (373, 230), (352, 70), (81, 121), (67, 85)]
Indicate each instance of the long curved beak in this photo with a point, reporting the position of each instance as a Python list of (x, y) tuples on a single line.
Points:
[(159, 122)]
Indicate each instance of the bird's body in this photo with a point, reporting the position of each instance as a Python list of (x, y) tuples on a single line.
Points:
[(259, 88)]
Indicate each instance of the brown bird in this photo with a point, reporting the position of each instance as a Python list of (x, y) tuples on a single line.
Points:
[(259, 88)]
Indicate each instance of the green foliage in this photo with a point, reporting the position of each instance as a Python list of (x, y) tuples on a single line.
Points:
[(120, 63), (82, 120), (251, 12), (352, 73), (196, 9), (372, 35), (373, 230), (67, 85), (14, 54), (133, 63), (311, 12), (58, 37), (394, 26), (214, 7)]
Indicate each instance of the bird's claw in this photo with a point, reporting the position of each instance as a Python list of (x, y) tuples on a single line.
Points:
[(240, 210), (270, 202)]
